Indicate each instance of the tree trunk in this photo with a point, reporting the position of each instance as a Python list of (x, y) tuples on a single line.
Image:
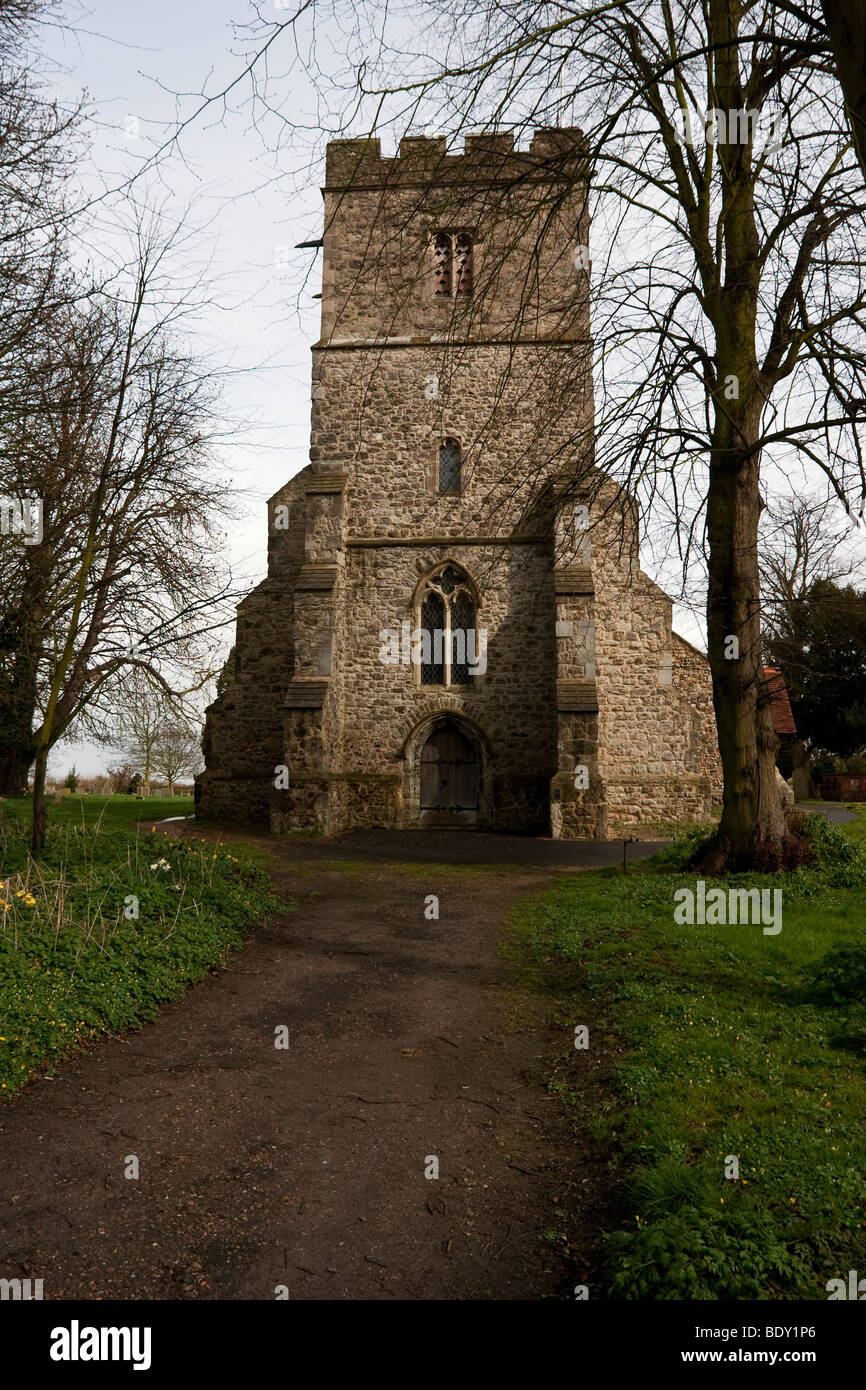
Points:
[(14, 767), (21, 642), (846, 24), (753, 832), (39, 807), (17, 744)]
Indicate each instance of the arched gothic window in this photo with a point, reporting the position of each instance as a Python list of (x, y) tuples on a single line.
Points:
[(449, 466), (452, 265), (433, 625), (450, 645)]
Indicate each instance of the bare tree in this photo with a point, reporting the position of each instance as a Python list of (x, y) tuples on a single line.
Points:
[(127, 573), (140, 710), (120, 778), (846, 27), (800, 546), (38, 146), (177, 751), (147, 723)]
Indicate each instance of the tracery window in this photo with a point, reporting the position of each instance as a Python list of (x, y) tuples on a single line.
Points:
[(451, 646), (452, 265)]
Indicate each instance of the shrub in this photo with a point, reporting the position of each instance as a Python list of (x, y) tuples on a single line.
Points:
[(684, 849), (839, 975), (841, 860), (700, 1254), (830, 766), (666, 1189)]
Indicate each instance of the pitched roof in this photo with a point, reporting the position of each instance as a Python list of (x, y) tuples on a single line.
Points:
[(780, 705)]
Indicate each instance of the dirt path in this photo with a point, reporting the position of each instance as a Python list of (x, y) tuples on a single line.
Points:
[(306, 1166)]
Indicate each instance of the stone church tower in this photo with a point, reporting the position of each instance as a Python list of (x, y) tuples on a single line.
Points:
[(454, 629)]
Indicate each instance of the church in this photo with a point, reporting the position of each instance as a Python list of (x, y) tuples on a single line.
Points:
[(454, 629)]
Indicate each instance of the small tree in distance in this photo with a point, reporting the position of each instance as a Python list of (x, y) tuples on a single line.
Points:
[(122, 780), (177, 751)]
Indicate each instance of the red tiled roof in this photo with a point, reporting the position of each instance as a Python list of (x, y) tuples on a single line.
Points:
[(780, 705)]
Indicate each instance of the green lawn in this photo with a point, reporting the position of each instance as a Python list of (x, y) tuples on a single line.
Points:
[(730, 1043), (857, 829), (108, 923), (113, 812)]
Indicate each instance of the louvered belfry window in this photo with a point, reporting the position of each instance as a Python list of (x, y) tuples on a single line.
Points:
[(462, 264), (452, 265), (448, 615), (442, 265)]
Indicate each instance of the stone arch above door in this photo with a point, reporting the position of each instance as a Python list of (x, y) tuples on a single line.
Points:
[(447, 772)]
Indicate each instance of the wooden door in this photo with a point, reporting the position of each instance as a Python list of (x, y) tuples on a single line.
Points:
[(449, 779)]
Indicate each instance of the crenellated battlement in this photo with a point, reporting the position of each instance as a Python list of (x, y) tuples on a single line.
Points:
[(557, 152)]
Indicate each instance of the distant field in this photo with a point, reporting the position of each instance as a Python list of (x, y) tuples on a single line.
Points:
[(111, 812)]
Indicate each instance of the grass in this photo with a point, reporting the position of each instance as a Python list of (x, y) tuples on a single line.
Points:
[(112, 812), (856, 830), (658, 830), (730, 1045), (107, 924)]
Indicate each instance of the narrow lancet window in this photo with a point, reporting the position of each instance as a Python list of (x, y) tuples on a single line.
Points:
[(450, 463)]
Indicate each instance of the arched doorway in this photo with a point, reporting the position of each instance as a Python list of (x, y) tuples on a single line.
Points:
[(450, 778)]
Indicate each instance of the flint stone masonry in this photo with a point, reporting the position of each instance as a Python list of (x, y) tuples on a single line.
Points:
[(582, 669)]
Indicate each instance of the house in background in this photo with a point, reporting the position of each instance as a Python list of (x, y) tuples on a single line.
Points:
[(783, 720)]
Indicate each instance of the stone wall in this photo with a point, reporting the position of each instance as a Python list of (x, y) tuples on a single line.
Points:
[(525, 209), (380, 705), (243, 739), (634, 699)]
